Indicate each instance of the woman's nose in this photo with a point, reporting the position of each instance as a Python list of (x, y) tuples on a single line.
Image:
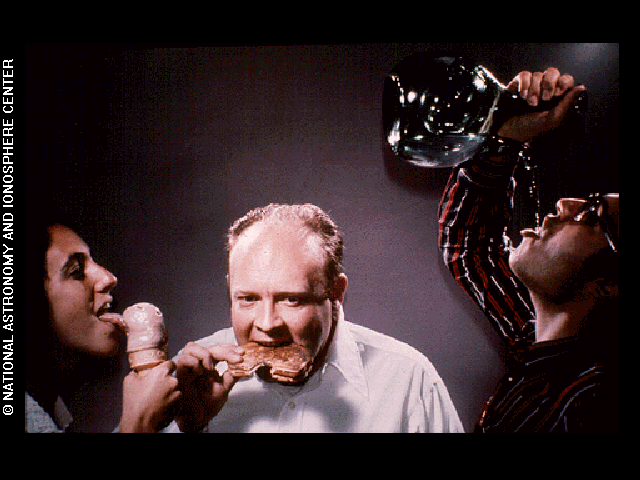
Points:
[(105, 280)]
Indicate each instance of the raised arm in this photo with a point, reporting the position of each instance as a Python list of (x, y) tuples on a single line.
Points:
[(475, 209), (477, 205)]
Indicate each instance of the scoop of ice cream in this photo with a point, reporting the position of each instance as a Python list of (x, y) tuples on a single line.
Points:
[(146, 334)]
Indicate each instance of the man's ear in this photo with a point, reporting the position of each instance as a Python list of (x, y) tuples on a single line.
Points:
[(601, 288), (339, 288)]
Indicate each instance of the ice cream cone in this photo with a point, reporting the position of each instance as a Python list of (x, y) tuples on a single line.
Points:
[(146, 336)]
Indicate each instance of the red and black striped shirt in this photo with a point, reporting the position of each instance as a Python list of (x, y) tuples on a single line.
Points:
[(553, 386)]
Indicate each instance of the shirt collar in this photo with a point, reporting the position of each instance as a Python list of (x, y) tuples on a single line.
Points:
[(344, 355), (572, 349)]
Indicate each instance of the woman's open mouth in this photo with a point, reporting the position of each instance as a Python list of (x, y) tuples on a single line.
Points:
[(104, 315)]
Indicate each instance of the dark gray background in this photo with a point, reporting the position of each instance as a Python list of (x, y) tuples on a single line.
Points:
[(158, 148)]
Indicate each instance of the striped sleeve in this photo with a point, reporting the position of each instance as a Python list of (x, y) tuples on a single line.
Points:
[(476, 206)]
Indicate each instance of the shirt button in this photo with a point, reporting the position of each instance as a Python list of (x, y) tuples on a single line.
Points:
[(292, 405)]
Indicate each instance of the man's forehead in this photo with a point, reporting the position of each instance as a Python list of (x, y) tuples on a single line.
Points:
[(613, 209), (613, 200), (277, 253), (278, 238)]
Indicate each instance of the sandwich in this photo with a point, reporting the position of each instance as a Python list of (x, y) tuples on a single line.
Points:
[(286, 363)]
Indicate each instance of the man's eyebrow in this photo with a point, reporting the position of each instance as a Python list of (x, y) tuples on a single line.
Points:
[(306, 297), (279, 294), (244, 293)]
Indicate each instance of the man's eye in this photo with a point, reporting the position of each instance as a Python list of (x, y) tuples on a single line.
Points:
[(301, 300), (293, 300), (247, 299)]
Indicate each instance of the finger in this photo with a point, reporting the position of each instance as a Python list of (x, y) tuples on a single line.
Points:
[(131, 377), (564, 83), (524, 81), (189, 365), (172, 383), (198, 352), (226, 352), (174, 397), (549, 80), (228, 381), (514, 85), (534, 89), (160, 371), (167, 367)]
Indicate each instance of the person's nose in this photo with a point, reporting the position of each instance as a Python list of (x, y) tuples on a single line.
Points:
[(105, 280), (269, 318), (569, 207)]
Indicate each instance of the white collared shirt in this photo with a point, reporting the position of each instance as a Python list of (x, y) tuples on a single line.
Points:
[(370, 383)]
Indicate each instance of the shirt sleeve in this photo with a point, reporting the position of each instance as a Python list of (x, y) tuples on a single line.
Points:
[(440, 413), (429, 408), (475, 209)]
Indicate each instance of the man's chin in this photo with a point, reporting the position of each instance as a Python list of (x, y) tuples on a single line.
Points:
[(518, 260)]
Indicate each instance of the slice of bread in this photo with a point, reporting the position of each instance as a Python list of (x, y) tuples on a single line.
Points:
[(286, 363)]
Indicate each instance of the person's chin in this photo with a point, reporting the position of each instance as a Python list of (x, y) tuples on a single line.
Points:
[(517, 263), (106, 341), (109, 349), (518, 255)]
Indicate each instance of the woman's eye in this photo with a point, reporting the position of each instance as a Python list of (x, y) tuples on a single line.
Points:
[(76, 272)]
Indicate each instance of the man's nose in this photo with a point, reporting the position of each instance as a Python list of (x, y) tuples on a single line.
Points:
[(268, 318), (569, 207)]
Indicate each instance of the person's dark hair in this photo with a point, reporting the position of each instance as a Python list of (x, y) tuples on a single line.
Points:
[(39, 333), (600, 329), (37, 242), (311, 216), (604, 264)]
